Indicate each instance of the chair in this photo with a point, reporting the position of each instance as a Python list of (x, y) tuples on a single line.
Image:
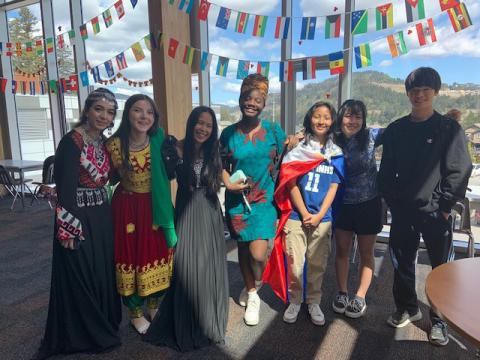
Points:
[(13, 186), (46, 189), (461, 223)]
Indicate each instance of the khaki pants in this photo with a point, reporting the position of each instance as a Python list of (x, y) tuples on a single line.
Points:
[(313, 246)]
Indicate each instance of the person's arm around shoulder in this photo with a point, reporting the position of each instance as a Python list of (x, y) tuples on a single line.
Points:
[(171, 150)]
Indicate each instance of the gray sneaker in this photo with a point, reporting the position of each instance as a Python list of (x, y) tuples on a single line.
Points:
[(340, 303), (356, 308), (400, 319), (438, 334)]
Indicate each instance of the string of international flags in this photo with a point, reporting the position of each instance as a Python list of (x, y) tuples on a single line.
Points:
[(425, 31)]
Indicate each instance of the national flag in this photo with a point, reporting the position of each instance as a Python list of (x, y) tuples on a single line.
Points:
[(109, 68), (308, 28), (73, 79), (121, 61), (362, 56), (23, 87), (447, 4), (64, 87), (3, 85), (181, 4), (396, 43), (189, 8), (425, 33), (28, 47), (49, 45), (43, 87), (359, 22), (18, 49), (14, 86), (84, 78), (107, 18), (8, 49), (150, 41), (336, 63), (309, 68), (332, 26), (137, 51), (260, 25), (33, 87), (203, 10), (71, 35), (60, 41), (84, 32), (263, 67), (286, 71), (243, 69), (282, 27), (296, 163), (134, 3), (172, 48), (39, 47), (52, 85), (96, 74), (384, 15), (95, 25), (242, 21), (223, 17), (222, 66), (459, 17), (188, 55), (205, 60), (120, 9), (415, 10)]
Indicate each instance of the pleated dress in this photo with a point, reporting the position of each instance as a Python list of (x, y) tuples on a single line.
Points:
[(194, 312)]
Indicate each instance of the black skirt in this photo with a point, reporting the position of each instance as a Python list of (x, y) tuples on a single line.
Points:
[(84, 311), (194, 312)]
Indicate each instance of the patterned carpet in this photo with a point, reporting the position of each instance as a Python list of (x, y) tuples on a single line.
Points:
[(25, 262)]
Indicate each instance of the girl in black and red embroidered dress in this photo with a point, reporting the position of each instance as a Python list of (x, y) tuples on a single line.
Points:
[(84, 310)]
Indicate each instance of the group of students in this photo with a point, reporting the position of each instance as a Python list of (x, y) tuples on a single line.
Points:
[(173, 260)]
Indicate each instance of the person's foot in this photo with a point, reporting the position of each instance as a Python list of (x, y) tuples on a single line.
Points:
[(316, 314), (340, 302), (291, 313), (402, 318), (356, 308), (242, 299), (252, 312), (140, 324), (152, 313), (438, 334)]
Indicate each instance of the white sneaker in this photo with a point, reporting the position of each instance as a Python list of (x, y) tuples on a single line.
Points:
[(252, 312), (290, 315), (242, 299), (316, 314)]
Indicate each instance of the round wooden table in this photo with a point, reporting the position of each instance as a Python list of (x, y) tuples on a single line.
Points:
[(453, 290)]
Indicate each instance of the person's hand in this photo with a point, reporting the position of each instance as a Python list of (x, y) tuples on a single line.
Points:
[(68, 244), (312, 221), (238, 186), (293, 140)]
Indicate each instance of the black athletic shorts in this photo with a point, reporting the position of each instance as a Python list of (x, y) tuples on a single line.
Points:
[(363, 219)]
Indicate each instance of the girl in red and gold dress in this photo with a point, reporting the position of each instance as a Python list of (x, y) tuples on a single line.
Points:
[(142, 210)]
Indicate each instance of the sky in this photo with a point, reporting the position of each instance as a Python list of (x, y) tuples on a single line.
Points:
[(455, 55)]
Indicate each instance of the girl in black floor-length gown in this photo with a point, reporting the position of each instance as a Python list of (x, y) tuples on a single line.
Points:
[(194, 312), (84, 310)]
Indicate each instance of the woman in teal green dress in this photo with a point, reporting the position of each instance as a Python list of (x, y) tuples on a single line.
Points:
[(251, 145)]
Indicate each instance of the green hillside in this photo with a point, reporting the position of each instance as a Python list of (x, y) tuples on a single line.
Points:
[(384, 96)]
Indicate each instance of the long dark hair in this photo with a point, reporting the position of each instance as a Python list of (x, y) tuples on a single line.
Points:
[(92, 98), (123, 132), (354, 107), (212, 166), (307, 120)]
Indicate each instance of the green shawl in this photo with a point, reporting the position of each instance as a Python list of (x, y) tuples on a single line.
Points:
[(162, 207)]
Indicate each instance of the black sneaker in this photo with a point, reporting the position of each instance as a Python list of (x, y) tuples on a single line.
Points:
[(402, 318), (340, 303), (356, 308), (438, 334)]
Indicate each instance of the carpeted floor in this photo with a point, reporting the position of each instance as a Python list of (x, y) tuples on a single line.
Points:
[(25, 261)]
